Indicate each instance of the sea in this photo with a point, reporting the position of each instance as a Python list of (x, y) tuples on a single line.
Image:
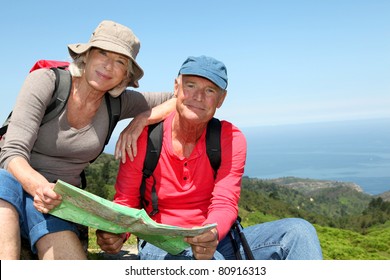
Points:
[(350, 151)]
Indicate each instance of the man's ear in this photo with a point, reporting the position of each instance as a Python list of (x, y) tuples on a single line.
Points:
[(222, 98), (176, 87)]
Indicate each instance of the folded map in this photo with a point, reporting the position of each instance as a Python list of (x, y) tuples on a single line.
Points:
[(85, 208)]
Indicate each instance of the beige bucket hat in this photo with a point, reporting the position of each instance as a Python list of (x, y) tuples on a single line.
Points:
[(114, 37)]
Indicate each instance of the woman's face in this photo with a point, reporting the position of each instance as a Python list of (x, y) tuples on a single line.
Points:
[(105, 70)]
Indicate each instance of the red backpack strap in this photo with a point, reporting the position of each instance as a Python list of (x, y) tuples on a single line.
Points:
[(44, 63)]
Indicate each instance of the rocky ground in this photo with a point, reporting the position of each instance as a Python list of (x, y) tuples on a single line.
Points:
[(128, 252)]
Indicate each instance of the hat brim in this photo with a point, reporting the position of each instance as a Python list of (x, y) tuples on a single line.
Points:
[(77, 49)]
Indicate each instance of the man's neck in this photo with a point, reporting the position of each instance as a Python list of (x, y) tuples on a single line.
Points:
[(185, 136)]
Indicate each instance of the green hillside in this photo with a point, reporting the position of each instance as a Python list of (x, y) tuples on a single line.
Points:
[(340, 244), (351, 224)]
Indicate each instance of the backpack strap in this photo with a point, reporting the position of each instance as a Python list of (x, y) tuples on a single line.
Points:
[(63, 85), (153, 150), (213, 144), (114, 112), (236, 232), (3, 128)]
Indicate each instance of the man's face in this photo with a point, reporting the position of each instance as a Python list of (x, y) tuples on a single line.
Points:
[(197, 98)]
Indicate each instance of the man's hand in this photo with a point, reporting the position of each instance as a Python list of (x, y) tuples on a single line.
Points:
[(204, 245), (110, 242)]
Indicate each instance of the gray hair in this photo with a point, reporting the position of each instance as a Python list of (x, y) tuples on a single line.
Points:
[(179, 81)]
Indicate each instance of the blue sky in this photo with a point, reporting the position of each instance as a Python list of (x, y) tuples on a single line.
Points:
[(288, 61)]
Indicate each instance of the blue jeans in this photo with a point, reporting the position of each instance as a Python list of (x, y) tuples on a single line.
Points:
[(33, 224), (285, 239)]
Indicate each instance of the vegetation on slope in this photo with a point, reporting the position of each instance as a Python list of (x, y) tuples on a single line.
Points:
[(351, 225)]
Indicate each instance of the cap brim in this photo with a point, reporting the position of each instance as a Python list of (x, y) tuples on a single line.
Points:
[(205, 74)]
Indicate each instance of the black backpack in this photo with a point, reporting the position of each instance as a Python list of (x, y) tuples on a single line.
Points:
[(213, 149), (153, 150), (63, 85)]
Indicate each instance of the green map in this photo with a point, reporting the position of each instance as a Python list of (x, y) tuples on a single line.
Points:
[(85, 208)]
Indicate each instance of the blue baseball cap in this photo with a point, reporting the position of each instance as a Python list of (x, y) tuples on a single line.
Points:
[(206, 67)]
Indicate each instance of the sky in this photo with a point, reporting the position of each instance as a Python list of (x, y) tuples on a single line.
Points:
[(288, 62)]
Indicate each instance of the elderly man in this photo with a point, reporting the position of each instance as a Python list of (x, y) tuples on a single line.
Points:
[(189, 193)]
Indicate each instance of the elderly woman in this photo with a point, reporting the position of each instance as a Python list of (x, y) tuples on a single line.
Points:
[(35, 156)]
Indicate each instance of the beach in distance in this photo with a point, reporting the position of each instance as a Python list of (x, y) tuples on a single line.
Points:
[(352, 151)]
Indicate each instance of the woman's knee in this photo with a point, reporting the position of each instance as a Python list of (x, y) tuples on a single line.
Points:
[(63, 245), (11, 191), (8, 212)]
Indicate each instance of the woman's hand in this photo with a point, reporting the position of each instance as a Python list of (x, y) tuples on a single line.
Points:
[(45, 199), (204, 245), (110, 242), (127, 142)]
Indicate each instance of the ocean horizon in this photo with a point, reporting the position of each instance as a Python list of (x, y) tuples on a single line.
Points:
[(348, 151)]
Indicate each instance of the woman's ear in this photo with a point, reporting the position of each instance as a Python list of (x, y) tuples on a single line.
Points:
[(85, 56)]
